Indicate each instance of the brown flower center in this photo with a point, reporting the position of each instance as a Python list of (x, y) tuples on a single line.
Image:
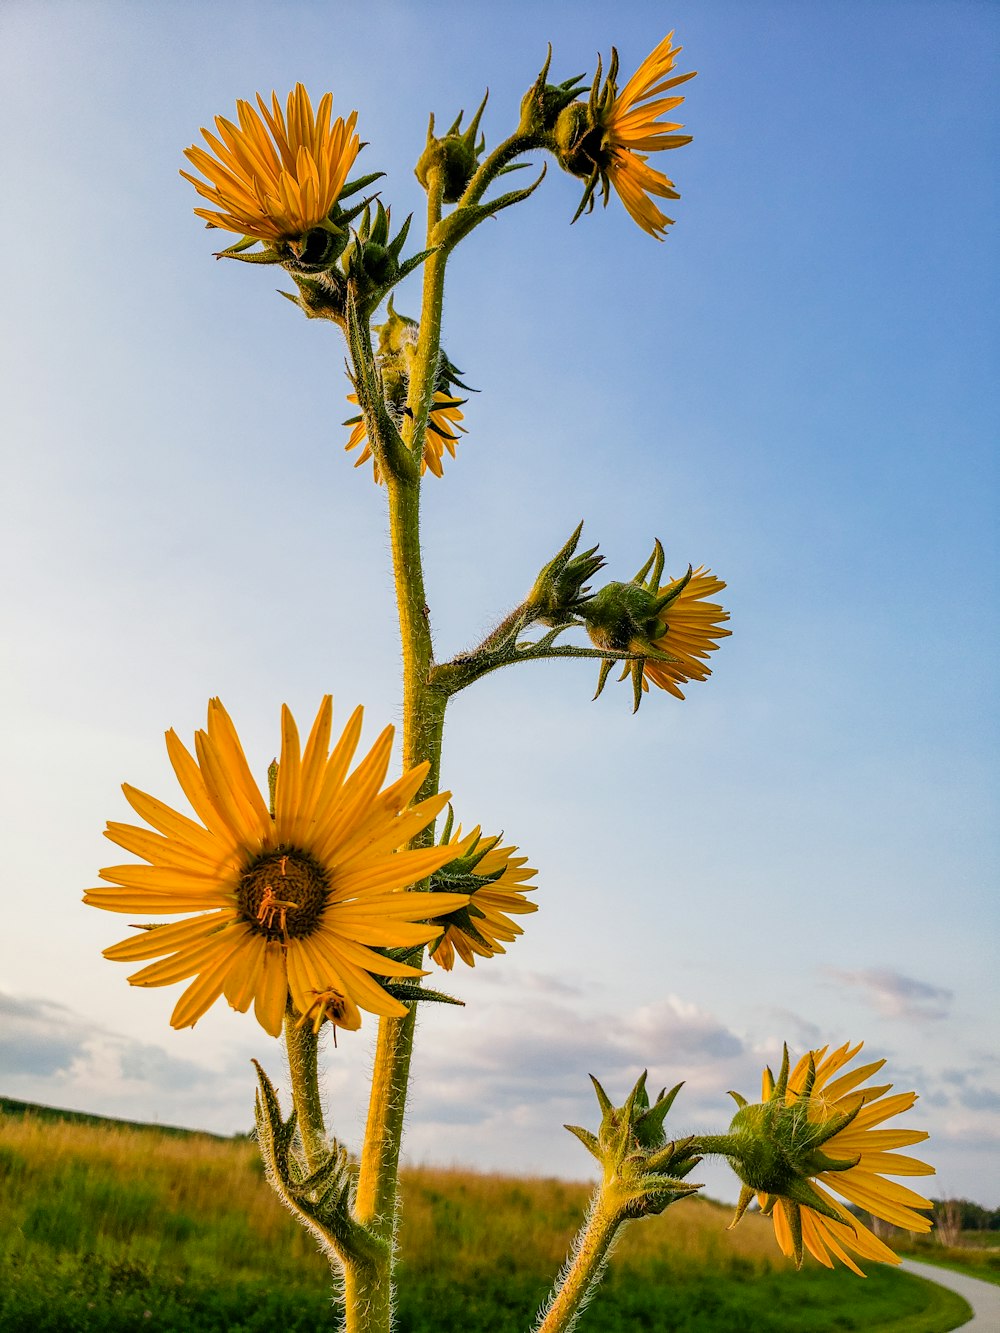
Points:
[(282, 894)]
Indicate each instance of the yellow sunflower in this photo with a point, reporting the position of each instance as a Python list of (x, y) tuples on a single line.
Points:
[(644, 618), (857, 1158), (692, 628), (444, 420), (278, 177), (296, 904), (609, 138), (495, 879)]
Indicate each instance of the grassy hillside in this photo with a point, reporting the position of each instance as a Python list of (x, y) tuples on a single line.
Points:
[(107, 1226)]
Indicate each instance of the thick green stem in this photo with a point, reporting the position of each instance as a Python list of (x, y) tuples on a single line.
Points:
[(365, 1306), (302, 1045), (425, 367), (368, 1290), (590, 1254)]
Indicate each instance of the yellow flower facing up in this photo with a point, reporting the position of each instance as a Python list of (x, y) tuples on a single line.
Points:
[(609, 138), (819, 1096), (444, 423), (294, 905), (496, 881), (276, 175)]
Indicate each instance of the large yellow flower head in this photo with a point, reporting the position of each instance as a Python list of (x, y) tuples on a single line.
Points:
[(609, 138), (496, 881), (296, 905), (276, 175), (816, 1131)]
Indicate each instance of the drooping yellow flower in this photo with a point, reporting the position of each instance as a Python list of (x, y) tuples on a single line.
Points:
[(693, 627), (444, 420), (294, 905), (632, 129), (645, 618), (278, 177), (495, 879), (856, 1158), (609, 138)]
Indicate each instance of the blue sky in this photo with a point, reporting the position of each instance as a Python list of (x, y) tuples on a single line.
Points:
[(793, 389)]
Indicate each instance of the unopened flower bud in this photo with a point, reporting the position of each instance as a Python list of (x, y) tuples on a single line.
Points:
[(561, 590), (642, 1169), (455, 155), (543, 102)]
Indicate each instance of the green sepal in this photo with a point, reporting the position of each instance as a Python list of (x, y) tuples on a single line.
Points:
[(588, 1140), (650, 1123), (636, 670), (740, 1100), (411, 993), (362, 183), (603, 1100), (747, 1196), (459, 223), (257, 257), (793, 1216), (602, 676), (244, 243)]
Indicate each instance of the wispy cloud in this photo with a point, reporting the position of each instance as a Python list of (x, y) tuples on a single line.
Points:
[(895, 995)]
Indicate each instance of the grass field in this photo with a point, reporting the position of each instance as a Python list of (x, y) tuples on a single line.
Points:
[(106, 1227)]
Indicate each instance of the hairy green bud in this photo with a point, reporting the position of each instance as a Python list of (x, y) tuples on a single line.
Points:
[(455, 156), (643, 1171)]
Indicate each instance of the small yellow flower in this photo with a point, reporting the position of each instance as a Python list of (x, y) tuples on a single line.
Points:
[(278, 177), (291, 905), (609, 138), (648, 619), (693, 627), (495, 879), (852, 1162), (444, 420)]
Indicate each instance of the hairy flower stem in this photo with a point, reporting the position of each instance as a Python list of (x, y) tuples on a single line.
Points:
[(368, 1290), (302, 1045), (589, 1256)]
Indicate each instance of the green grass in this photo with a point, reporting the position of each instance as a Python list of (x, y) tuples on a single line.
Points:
[(107, 1227)]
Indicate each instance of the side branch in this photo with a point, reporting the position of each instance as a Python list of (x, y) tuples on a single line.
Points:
[(491, 654)]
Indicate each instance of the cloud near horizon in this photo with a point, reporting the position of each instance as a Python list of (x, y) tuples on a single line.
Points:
[(493, 1094)]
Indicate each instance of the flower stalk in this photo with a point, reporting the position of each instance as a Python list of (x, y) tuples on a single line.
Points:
[(320, 902)]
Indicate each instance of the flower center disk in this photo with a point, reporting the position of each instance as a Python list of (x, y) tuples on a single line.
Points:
[(282, 894)]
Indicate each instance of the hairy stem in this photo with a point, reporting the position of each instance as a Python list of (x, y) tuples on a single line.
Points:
[(586, 1265), (368, 1290), (302, 1045)]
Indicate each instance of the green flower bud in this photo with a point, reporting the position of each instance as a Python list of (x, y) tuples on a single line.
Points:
[(542, 103), (642, 1170), (455, 156), (560, 591)]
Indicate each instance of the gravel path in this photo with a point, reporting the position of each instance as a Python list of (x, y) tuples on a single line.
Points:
[(984, 1297)]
